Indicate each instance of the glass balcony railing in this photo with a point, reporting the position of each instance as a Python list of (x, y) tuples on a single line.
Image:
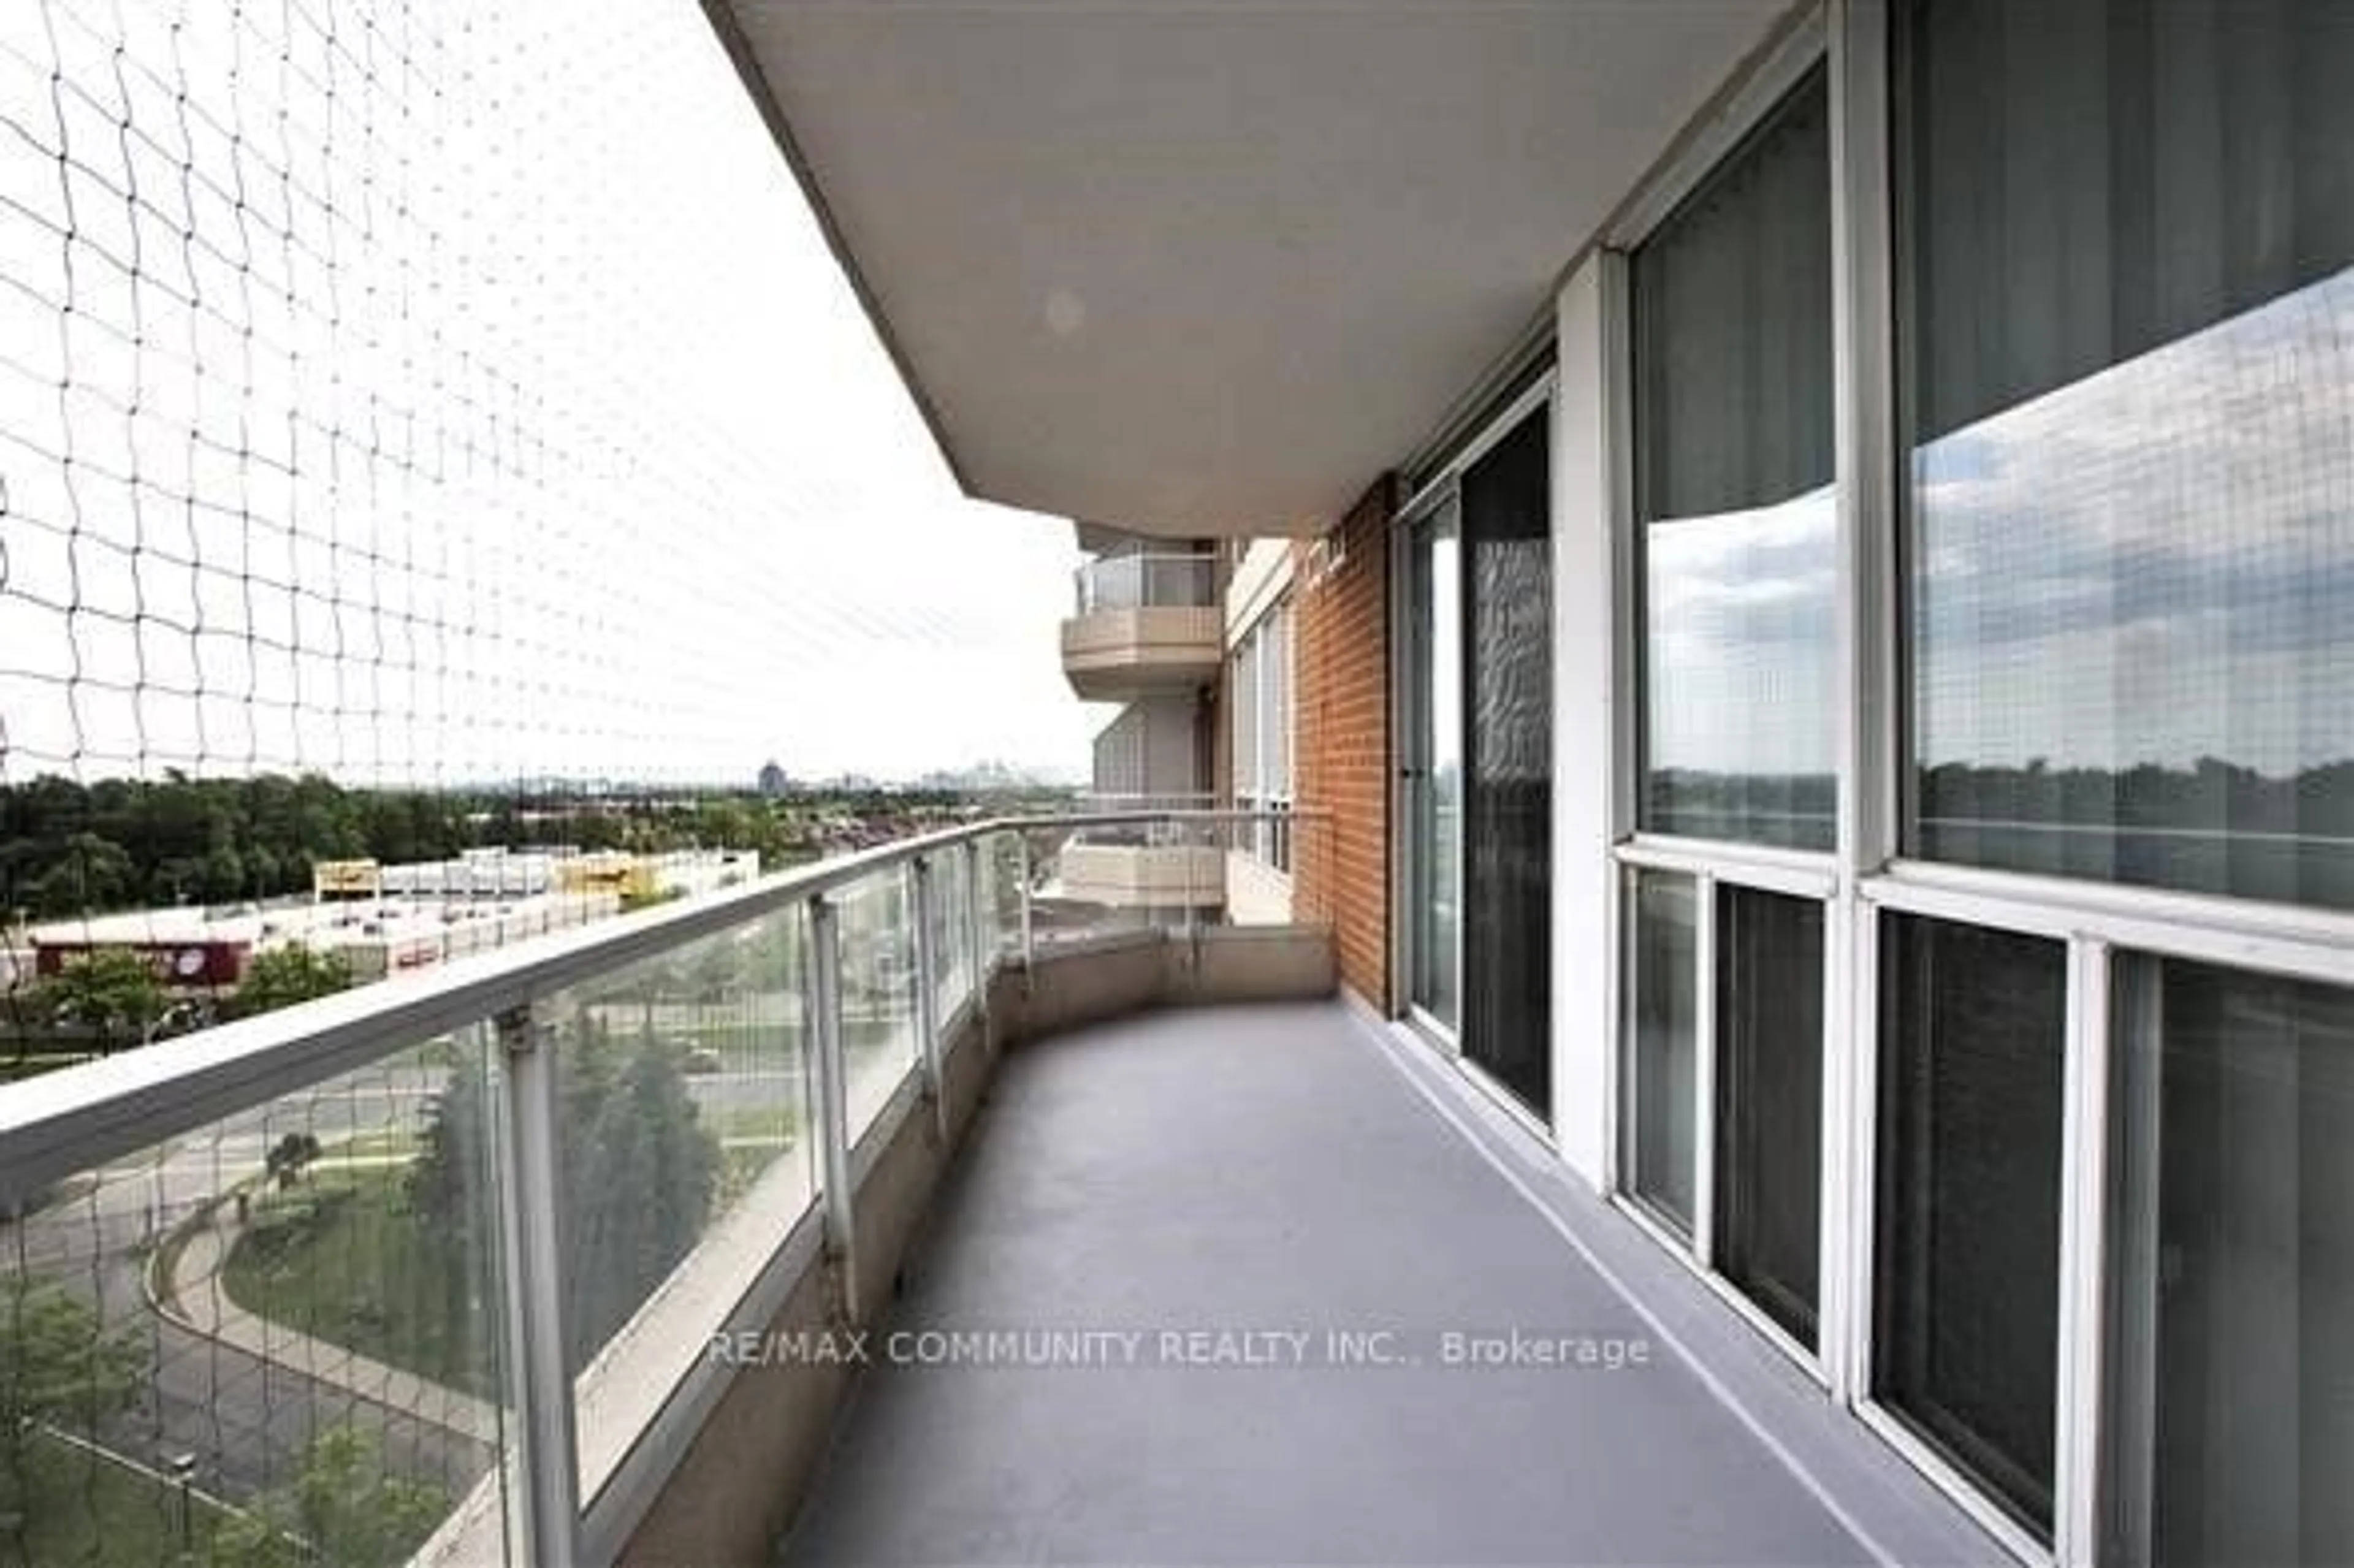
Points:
[(1151, 581), (431, 1270)]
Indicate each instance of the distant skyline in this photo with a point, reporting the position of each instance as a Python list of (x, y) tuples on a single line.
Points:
[(554, 441)]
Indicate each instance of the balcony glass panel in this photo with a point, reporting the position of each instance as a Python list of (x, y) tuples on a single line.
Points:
[(685, 1155), (1147, 582), (881, 1042), (276, 1337), (951, 923)]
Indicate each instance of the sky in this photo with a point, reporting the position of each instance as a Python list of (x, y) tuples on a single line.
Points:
[(463, 393), (2150, 565)]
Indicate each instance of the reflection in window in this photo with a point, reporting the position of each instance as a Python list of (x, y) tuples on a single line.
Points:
[(2233, 1321), (1733, 364), (1437, 632), (2131, 539), (1507, 653)]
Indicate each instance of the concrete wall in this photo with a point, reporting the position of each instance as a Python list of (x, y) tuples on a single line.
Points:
[(1585, 694), (1112, 655), (1154, 747), (1258, 894), (1140, 876)]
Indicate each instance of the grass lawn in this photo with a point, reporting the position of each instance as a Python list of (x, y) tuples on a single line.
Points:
[(390, 1142), (341, 1258), (78, 1511)]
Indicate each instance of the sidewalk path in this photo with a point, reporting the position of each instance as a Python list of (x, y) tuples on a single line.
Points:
[(196, 1298)]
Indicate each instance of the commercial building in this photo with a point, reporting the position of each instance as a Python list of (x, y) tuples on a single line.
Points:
[(387, 919)]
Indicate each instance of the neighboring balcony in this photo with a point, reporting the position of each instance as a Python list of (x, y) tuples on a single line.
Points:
[(1143, 624), (1168, 864)]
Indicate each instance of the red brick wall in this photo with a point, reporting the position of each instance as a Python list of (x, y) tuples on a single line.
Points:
[(1341, 741)]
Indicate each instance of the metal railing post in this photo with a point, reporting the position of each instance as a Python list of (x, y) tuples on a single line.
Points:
[(1023, 839), (977, 904), (824, 1035), (531, 1253), (928, 990), (1193, 895)]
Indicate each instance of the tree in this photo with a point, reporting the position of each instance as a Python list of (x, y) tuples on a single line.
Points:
[(640, 1170), (59, 1366), (289, 1156), (111, 991), (343, 1506), (447, 1190), (281, 977), (88, 873), (640, 1173)]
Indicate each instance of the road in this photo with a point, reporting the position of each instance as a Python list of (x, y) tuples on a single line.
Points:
[(246, 1419)]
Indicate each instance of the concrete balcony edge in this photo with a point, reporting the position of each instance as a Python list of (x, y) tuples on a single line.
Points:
[(1114, 655), (1145, 876)]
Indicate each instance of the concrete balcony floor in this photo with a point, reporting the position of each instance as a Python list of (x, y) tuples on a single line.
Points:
[(1297, 1167)]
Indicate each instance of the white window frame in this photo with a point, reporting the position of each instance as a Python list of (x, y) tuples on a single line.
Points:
[(1442, 488), (1866, 877)]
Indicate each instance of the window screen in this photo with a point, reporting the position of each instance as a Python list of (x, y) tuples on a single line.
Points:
[(2126, 232), (2232, 1366), (1769, 1102), (1733, 440), (1966, 1335)]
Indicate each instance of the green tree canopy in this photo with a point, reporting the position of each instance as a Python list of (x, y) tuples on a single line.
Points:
[(280, 977), (110, 990), (59, 1365), (343, 1506), (640, 1173)]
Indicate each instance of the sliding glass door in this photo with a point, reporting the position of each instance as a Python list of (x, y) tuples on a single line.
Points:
[(1435, 767), (1508, 763), (1477, 759)]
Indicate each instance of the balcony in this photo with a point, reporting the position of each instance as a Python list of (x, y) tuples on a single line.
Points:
[(1295, 1293), (1171, 864), (571, 1252), (1143, 624)]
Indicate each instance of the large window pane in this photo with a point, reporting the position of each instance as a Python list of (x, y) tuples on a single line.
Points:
[(1507, 943), (1769, 1102), (1967, 1330), (1661, 1104), (1732, 362), (2234, 1317), (2125, 233), (1437, 707)]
